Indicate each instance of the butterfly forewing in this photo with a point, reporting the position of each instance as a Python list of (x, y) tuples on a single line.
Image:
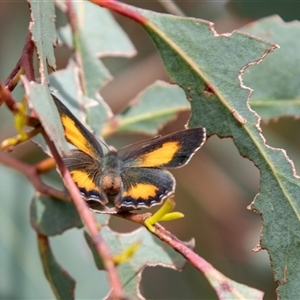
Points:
[(76, 133), (170, 151)]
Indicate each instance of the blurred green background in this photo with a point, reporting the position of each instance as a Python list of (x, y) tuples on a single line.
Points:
[(213, 191)]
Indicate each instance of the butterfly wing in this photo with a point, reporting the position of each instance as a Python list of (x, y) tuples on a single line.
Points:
[(145, 187), (85, 172), (76, 133), (170, 151), (84, 164)]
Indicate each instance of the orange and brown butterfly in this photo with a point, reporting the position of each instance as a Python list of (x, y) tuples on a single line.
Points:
[(111, 182)]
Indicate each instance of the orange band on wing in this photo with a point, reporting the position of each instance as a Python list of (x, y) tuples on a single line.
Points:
[(141, 190), (74, 136), (160, 156), (83, 181)]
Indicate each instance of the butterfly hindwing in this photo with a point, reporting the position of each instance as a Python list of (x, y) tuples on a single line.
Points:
[(170, 151), (76, 133), (86, 173), (145, 187)]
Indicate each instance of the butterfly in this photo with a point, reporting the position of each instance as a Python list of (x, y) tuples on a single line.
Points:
[(110, 182)]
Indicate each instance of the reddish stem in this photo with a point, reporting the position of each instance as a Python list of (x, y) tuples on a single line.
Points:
[(32, 174), (91, 224), (122, 9), (24, 64)]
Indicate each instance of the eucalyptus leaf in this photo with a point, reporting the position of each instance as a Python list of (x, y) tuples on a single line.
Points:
[(40, 100), (50, 216), (62, 284), (43, 31), (208, 66), (152, 252)]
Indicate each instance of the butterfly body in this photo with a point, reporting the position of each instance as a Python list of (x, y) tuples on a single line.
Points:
[(111, 182)]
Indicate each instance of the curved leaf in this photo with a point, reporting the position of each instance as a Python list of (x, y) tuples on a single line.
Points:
[(131, 271), (62, 284), (50, 216), (40, 100), (42, 27), (209, 68), (212, 65)]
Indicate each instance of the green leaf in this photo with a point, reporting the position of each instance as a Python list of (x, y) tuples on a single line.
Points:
[(154, 107), (97, 258), (229, 289), (276, 80), (42, 27), (152, 252), (101, 34), (62, 284), (93, 72), (51, 216), (41, 101), (207, 67)]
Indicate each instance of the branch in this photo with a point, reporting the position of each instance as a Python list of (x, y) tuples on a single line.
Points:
[(24, 65), (219, 282), (32, 173), (91, 224), (122, 9)]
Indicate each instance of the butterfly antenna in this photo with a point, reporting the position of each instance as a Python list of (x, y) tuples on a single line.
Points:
[(103, 143), (146, 141)]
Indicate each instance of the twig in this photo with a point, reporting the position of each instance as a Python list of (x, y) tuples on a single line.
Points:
[(212, 275), (85, 213), (32, 173), (91, 224), (5, 96), (24, 65), (45, 165), (13, 106), (122, 9), (171, 240)]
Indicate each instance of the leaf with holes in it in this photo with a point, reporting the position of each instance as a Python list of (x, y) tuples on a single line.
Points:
[(275, 82), (62, 284), (42, 28), (152, 252), (154, 107), (50, 216), (41, 102), (209, 67)]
